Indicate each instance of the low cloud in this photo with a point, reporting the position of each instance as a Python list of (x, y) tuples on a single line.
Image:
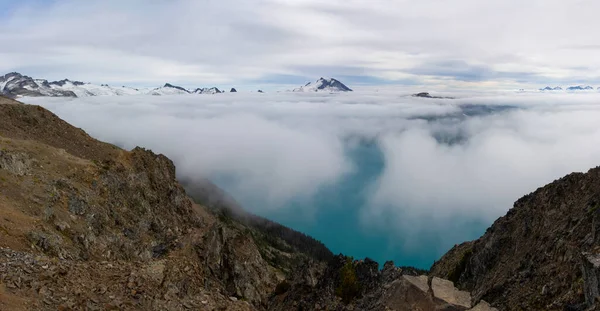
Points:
[(441, 164)]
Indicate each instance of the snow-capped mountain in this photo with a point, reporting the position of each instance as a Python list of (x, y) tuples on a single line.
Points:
[(81, 89), (324, 85), (579, 88), (556, 88), (206, 90), (15, 84), (169, 89)]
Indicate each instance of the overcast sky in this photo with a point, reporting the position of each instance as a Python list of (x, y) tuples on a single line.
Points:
[(460, 43)]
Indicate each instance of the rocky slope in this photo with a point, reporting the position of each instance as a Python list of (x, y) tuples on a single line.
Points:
[(533, 258), (87, 225)]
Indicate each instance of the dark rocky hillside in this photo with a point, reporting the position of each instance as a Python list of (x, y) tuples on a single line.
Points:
[(532, 258)]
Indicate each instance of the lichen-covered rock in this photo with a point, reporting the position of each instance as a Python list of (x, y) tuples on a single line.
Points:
[(15, 163)]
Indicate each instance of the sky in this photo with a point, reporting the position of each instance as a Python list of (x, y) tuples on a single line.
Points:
[(372, 174), (468, 44)]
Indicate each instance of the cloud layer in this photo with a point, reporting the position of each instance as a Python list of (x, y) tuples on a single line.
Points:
[(463, 43), (449, 168), (282, 146)]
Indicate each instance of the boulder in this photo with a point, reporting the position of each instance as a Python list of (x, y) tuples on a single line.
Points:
[(445, 290)]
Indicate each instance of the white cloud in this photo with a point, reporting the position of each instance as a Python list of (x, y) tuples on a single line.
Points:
[(227, 41), (282, 147)]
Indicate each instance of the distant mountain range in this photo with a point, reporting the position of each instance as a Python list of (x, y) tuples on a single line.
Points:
[(15, 85), (570, 88)]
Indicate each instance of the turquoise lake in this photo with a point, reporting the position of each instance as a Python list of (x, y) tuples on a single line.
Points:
[(335, 218)]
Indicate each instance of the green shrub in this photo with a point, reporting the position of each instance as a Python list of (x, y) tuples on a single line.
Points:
[(349, 287)]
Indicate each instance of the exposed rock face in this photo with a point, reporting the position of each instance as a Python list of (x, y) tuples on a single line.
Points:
[(530, 258), (590, 269), (16, 163), (233, 90), (234, 259)]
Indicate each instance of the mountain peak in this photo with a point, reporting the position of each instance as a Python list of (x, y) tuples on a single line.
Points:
[(207, 90), (326, 85), (175, 88), (63, 82)]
